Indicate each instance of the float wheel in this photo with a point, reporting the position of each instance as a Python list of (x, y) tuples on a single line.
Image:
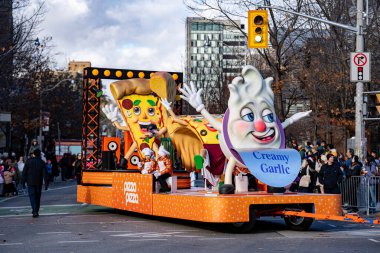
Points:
[(244, 227), (298, 223)]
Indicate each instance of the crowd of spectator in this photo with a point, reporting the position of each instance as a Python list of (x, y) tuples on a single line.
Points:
[(324, 168)]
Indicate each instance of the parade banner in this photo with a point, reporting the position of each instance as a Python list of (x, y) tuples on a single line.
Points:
[(274, 167)]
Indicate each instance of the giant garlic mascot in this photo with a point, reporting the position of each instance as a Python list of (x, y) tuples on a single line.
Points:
[(250, 123)]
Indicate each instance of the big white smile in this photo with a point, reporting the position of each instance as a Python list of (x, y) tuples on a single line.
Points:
[(210, 127), (143, 126), (266, 137)]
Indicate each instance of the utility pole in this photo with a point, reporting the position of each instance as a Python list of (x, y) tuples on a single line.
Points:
[(360, 143)]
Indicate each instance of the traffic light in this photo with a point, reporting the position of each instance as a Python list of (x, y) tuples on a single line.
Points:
[(258, 29), (374, 103)]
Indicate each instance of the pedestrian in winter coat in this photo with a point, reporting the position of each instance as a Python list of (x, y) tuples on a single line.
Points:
[(34, 174), (330, 175)]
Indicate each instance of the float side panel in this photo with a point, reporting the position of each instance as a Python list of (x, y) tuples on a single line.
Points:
[(95, 195), (132, 192), (234, 208)]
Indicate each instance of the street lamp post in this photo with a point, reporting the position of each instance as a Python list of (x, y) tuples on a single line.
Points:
[(40, 114)]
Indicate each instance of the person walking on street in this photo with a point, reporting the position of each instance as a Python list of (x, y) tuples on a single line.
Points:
[(330, 175), (34, 174)]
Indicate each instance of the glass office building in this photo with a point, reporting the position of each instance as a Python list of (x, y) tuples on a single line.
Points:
[(215, 53)]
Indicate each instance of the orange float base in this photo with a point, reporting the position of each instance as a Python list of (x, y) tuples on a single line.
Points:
[(134, 192)]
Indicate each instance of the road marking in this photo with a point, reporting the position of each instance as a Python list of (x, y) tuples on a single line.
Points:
[(115, 231), (54, 189), (373, 240), (29, 215), (9, 198), (148, 234), (188, 236), (140, 240), (10, 244), (60, 188), (216, 238), (182, 230), (47, 233), (78, 241), (93, 222), (43, 206)]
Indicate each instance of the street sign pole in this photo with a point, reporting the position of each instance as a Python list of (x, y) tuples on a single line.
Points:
[(360, 149)]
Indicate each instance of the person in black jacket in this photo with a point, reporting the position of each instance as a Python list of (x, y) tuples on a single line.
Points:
[(330, 175), (34, 174)]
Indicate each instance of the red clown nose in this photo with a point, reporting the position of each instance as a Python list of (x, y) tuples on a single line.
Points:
[(260, 125)]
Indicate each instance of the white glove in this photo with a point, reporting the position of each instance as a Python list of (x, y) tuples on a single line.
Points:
[(139, 164), (110, 111), (294, 118), (192, 96), (157, 174), (300, 115), (166, 103)]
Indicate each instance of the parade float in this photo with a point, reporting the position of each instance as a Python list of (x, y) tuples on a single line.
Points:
[(249, 137)]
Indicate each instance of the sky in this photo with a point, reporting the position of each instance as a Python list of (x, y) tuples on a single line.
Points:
[(130, 34)]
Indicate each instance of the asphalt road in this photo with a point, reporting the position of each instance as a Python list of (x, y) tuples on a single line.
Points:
[(67, 226)]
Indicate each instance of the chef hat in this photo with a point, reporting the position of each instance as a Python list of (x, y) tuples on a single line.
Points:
[(147, 151), (162, 151)]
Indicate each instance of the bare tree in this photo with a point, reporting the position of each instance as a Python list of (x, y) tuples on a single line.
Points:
[(27, 76), (284, 31)]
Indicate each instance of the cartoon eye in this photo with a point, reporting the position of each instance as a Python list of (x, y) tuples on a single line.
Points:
[(203, 132), (268, 116), (151, 111), (137, 110), (247, 114)]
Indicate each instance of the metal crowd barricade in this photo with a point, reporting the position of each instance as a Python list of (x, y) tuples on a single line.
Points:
[(360, 192)]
